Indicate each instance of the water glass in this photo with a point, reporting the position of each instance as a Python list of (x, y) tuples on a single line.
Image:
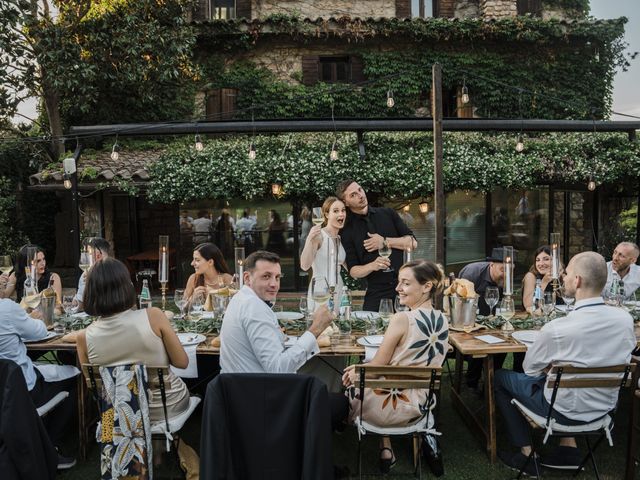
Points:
[(59, 326), (548, 304), (399, 306), (180, 301), (491, 296), (371, 325)]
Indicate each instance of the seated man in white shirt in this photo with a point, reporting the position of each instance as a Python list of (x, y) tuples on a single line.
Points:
[(101, 249), (591, 335), (623, 267)]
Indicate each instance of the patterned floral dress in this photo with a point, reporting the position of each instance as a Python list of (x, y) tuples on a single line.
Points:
[(425, 344)]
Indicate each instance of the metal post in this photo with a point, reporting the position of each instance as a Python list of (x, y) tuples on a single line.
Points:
[(74, 232), (438, 187)]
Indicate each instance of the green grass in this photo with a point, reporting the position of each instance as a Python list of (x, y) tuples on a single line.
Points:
[(464, 456)]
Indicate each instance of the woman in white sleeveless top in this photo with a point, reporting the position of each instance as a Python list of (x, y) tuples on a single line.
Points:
[(122, 336), (315, 254)]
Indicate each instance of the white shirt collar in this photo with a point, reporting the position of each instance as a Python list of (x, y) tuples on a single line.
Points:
[(589, 301)]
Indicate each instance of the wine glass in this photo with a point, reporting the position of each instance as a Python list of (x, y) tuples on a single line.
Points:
[(566, 298), (630, 302), (507, 311), (385, 311), (195, 312), (179, 300), (85, 261), (385, 251), (491, 296), (316, 216), (548, 304), (5, 264), (235, 282), (320, 292), (399, 306)]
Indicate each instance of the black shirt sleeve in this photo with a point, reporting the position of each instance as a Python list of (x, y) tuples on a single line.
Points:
[(401, 227)]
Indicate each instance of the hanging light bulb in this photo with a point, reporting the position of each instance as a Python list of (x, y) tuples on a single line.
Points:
[(252, 152), (390, 101), (114, 152), (276, 189), (67, 181), (591, 185), (465, 94), (406, 208), (199, 144), (334, 153), (423, 206), (520, 144)]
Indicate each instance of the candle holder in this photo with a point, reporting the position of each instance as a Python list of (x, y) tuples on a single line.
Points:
[(239, 256), (507, 256), (163, 267), (333, 268), (554, 241)]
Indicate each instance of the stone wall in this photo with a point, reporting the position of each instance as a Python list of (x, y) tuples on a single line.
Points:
[(498, 8), (467, 9), (324, 8)]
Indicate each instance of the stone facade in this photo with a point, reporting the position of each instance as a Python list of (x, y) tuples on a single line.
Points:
[(498, 8), (324, 8), (467, 9)]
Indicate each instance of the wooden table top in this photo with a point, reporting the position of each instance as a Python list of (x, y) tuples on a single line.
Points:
[(467, 343)]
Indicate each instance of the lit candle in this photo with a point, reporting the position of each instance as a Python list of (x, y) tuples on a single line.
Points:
[(555, 255), (508, 271), (408, 255), (239, 252), (164, 266), (90, 252)]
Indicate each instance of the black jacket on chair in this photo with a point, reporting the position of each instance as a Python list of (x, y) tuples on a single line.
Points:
[(26, 452), (266, 426)]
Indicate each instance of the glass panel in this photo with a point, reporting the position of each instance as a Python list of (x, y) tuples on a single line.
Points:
[(465, 227), (618, 219), (325, 73), (341, 71), (581, 230)]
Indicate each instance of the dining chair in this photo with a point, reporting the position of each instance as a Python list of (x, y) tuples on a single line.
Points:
[(392, 377), (564, 377)]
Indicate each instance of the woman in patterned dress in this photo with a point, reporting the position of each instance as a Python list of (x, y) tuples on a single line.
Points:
[(418, 337)]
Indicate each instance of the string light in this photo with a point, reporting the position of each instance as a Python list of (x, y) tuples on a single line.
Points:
[(390, 101), (67, 181), (199, 144), (591, 185), (252, 152), (423, 206), (114, 151), (334, 153), (520, 144), (465, 91), (276, 189), (406, 208)]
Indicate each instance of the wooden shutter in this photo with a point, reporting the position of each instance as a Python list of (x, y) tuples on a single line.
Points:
[(201, 11), (221, 104), (243, 9), (310, 69), (357, 69), (445, 8), (403, 8)]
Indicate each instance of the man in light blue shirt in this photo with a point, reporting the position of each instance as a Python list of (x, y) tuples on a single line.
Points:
[(251, 340)]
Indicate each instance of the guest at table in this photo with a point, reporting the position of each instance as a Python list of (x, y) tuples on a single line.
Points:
[(366, 229), (211, 272), (623, 267), (592, 335), (315, 254), (405, 343), (276, 229), (540, 270), (483, 275), (16, 327), (101, 249), (122, 336)]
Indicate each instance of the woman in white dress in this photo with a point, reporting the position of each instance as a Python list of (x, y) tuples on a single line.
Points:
[(315, 254)]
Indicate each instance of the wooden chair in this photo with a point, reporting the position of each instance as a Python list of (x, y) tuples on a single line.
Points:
[(399, 377), (167, 429), (614, 377)]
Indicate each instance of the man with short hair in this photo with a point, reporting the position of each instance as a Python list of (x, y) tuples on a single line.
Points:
[(365, 230), (101, 249), (201, 227), (592, 335), (623, 267)]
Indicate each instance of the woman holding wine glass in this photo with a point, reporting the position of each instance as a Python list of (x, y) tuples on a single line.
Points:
[(540, 270), (6, 267), (211, 272), (315, 254)]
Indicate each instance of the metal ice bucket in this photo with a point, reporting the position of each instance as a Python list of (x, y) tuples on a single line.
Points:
[(47, 307), (462, 311)]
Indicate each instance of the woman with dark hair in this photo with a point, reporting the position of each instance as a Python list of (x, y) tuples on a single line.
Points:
[(211, 271), (123, 336), (44, 276), (540, 270), (418, 337)]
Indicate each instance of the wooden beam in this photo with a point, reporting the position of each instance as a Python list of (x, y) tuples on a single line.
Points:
[(438, 185)]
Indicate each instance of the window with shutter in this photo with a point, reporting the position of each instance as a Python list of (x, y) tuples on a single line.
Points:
[(533, 7), (423, 8), (221, 104), (310, 69), (243, 8), (403, 8), (223, 9)]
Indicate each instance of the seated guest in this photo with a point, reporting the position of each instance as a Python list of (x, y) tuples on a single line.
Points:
[(483, 275), (211, 272), (122, 336), (101, 249), (16, 327), (592, 335), (540, 270), (623, 267), (405, 343)]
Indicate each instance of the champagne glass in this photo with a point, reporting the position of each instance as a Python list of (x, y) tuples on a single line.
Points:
[(320, 292), (548, 304), (385, 251), (507, 311), (316, 216), (179, 300), (399, 306), (491, 296), (5, 264), (385, 311)]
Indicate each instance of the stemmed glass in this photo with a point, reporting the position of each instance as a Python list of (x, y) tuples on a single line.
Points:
[(630, 302), (195, 312), (70, 307), (180, 301), (320, 290), (85, 261), (385, 311), (491, 296), (567, 299), (5, 264), (316, 216), (399, 306), (548, 304), (385, 251), (304, 308), (507, 311)]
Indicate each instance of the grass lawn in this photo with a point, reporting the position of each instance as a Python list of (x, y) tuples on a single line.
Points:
[(464, 456)]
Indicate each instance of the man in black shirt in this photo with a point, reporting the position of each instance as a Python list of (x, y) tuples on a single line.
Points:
[(364, 232)]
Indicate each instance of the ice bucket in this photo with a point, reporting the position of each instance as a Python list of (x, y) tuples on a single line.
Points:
[(47, 307), (462, 311)]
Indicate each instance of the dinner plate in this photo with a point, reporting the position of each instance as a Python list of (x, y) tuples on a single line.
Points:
[(526, 336), (49, 336), (289, 316), (187, 339), (370, 340), (362, 314)]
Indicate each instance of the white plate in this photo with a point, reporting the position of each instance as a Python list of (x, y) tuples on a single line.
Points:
[(526, 336), (370, 340), (362, 314), (289, 316), (49, 336), (191, 338)]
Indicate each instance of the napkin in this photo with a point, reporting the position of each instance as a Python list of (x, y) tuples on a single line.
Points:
[(192, 369), (369, 353), (56, 373), (489, 339)]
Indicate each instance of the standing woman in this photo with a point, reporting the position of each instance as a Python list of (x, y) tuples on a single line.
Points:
[(315, 253), (211, 271), (43, 275), (541, 269)]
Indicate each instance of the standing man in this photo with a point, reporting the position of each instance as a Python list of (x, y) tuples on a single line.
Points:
[(365, 230), (623, 267)]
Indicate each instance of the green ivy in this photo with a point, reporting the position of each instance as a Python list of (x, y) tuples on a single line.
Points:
[(396, 165), (578, 6)]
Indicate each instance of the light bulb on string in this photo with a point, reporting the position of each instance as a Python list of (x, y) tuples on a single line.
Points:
[(591, 185), (465, 92), (334, 153), (67, 181), (423, 206), (276, 189), (520, 144), (252, 152), (406, 208), (114, 151), (390, 101), (199, 144)]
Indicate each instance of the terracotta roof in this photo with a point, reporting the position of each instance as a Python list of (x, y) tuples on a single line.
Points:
[(131, 165)]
